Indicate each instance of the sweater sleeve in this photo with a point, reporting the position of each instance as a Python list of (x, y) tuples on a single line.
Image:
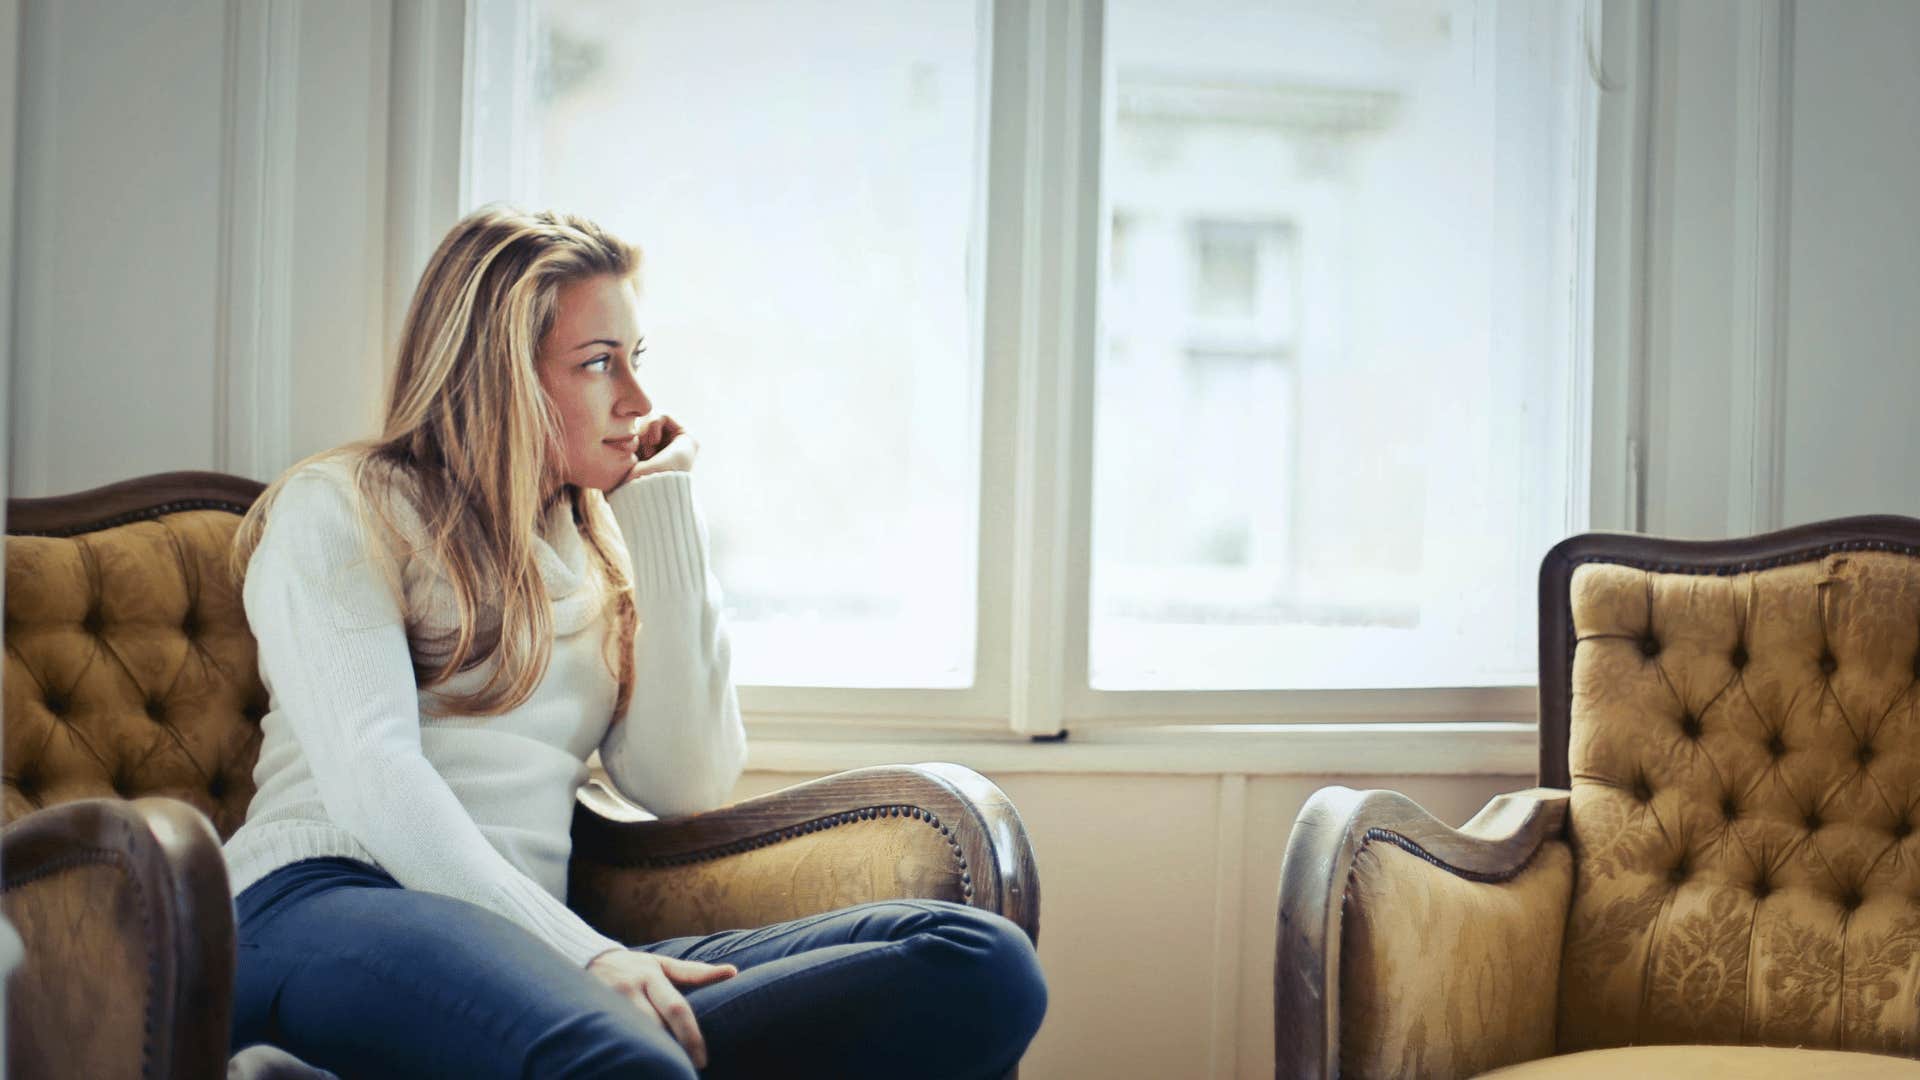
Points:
[(680, 746), (333, 651)]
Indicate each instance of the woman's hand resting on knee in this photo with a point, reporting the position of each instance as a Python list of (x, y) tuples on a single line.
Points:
[(651, 983)]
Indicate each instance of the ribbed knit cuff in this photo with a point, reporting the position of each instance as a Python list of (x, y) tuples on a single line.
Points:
[(556, 924), (665, 536)]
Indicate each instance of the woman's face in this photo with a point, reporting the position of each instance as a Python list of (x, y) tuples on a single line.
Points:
[(589, 365)]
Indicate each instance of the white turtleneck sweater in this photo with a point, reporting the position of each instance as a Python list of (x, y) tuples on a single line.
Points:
[(358, 761)]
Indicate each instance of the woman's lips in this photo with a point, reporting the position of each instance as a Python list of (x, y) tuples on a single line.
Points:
[(628, 445)]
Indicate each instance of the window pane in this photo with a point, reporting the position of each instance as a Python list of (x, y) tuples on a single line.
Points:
[(804, 180), (1330, 437)]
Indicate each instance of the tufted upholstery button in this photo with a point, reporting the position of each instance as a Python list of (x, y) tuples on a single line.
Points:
[(217, 786), (1680, 872), (1864, 754), (1642, 791), (156, 710), (1762, 888), (1776, 746), (1813, 821), (94, 622), (1740, 657), (57, 705), (1902, 829), (1728, 808), (1851, 899), (1690, 726), (1649, 645), (1828, 663), (190, 625)]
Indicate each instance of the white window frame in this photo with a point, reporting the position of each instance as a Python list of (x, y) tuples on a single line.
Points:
[(1044, 253)]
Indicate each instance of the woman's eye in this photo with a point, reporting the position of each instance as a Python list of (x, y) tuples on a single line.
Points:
[(604, 361)]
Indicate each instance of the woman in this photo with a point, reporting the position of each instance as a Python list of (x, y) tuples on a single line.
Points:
[(451, 618)]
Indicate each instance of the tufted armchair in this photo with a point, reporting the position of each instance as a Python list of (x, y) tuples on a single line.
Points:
[(131, 727), (1720, 863)]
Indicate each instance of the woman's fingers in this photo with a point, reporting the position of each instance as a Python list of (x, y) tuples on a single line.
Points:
[(676, 456), (674, 1011), (656, 433), (694, 973)]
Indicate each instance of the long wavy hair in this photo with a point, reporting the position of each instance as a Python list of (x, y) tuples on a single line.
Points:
[(472, 442)]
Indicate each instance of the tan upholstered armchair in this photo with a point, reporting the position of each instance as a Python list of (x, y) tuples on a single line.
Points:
[(1720, 862), (132, 722)]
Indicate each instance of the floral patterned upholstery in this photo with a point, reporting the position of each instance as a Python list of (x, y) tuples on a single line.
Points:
[(1745, 755)]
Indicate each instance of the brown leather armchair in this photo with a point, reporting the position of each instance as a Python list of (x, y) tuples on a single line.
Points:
[(1720, 863), (133, 704)]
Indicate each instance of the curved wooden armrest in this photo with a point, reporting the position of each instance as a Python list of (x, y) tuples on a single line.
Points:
[(1332, 829), (933, 831), (128, 926)]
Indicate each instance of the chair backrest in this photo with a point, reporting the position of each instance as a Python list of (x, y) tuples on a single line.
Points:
[(130, 669), (1740, 723)]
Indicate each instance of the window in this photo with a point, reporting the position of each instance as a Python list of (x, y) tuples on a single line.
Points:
[(1323, 302), (1075, 361), (804, 183)]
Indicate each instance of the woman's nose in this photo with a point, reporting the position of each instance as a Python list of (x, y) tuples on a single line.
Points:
[(633, 399)]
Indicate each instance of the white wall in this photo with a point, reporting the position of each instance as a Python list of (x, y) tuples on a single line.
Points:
[(221, 204), (118, 245), (202, 224), (1853, 226), (1781, 263)]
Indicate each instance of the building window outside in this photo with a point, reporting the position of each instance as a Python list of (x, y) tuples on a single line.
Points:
[(1325, 448)]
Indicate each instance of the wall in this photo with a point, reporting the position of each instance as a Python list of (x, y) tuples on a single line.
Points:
[(201, 206), (1852, 327), (220, 207), (1781, 263)]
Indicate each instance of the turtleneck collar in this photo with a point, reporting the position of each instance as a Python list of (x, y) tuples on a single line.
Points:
[(561, 551)]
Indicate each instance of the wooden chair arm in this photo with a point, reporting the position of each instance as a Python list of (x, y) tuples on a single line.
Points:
[(932, 831), (1331, 831), (128, 926)]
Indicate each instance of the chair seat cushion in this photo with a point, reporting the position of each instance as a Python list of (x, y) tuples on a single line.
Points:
[(1693, 1062)]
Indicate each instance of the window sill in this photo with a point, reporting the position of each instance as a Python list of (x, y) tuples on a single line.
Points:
[(1320, 750)]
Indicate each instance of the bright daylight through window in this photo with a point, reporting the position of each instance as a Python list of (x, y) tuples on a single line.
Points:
[(808, 209), (1337, 363), (1331, 438)]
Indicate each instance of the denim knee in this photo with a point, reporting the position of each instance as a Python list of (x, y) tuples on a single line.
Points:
[(1001, 971), (598, 1045)]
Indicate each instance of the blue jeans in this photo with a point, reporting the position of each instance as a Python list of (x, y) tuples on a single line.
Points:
[(347, 970)]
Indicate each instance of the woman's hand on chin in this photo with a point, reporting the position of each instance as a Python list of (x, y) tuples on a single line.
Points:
[(665, 446)]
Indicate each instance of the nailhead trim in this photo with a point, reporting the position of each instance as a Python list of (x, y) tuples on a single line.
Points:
[(820, 824), (150, 513)]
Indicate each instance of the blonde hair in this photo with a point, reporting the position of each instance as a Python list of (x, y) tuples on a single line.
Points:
[(473, 442)]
